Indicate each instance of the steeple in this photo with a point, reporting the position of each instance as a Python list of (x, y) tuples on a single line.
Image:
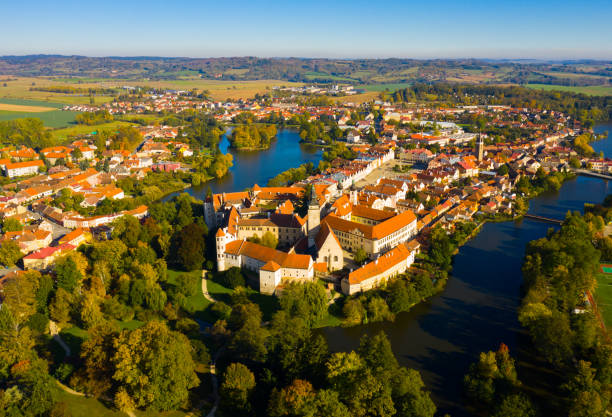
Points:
[(479, 147)]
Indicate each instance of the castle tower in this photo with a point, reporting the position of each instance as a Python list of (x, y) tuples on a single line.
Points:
[(479, 148), (314, 219)]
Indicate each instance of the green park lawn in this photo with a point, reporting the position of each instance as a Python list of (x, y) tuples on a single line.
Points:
[(603, 297), (89, 407)]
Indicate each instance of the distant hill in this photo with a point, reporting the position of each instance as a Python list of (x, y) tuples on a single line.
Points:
[(354, 71)]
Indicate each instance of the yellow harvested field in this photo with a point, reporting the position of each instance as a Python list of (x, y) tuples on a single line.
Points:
[(25, 109), (359, 98)]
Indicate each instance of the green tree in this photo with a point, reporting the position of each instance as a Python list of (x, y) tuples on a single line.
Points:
[(360, 256), (268, 239), (189, 247), (10, 253), (61, 306), (238, 383), (154, 366), (306, 300), (11, 225), (233, 278), (515, 405), (67, 274)]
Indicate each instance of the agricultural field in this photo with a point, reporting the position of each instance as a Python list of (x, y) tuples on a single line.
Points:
[(63, 134), (385, 87), (598, 90), (49, 113), (358, 98), (19, 88)]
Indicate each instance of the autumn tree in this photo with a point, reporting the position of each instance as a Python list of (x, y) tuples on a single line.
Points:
[(238, 383), (154, 366)]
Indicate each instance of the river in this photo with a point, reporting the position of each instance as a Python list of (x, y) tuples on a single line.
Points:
[(257, 167), (478, 309)]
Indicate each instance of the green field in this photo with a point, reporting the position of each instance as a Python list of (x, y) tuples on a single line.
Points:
[(322, 75), (603, 297), (55, 118), (599, 90), (75, 130), (384, 87)]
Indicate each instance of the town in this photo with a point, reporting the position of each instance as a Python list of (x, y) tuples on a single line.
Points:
[(398, 173)]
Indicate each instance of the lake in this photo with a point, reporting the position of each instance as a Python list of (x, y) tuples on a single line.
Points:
[(257, 167)]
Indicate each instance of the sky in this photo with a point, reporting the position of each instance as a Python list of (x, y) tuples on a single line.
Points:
[(539, 29)]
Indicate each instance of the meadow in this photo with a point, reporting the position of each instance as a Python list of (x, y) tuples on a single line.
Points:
[(597, 90), (19, 88), (64, 133)]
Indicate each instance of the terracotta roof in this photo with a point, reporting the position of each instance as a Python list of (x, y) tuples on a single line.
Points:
[(275, 220), (321, 237), (396, 255), (265, 254), (271, 266), (378, 231), (72, 235), (36, 163), (342, 206), (370, 213)]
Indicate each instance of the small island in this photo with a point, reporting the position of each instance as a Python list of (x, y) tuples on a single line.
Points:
[(252, 137)]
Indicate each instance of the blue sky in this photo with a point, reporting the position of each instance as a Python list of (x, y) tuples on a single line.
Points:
[(354, 29)]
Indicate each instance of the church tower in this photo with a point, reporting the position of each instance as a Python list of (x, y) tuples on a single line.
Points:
[(314, 218), (479, 148)]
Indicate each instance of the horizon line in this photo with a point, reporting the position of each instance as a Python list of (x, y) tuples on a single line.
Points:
[(355, 58)]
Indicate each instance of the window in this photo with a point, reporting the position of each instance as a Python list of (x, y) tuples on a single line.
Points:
[(335, 258)]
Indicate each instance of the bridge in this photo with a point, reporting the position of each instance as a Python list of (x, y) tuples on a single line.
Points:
[(588, 173), (542, 219)]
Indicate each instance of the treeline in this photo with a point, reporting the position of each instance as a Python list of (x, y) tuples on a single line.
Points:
[(251, 136), (96, 288), (202, 130), (580, 106), (558, 275), (76, 90), (292, 175), (285, 369), (93, 117), (542, 181), (27, 132)]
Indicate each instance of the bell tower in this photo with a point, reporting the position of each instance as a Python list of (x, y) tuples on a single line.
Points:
[(314, 218), (479, 148)]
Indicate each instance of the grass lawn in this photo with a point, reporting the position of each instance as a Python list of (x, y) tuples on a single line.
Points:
[(597, 90), (603, 297), (74, 337), (89, 407), (197, 302)]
